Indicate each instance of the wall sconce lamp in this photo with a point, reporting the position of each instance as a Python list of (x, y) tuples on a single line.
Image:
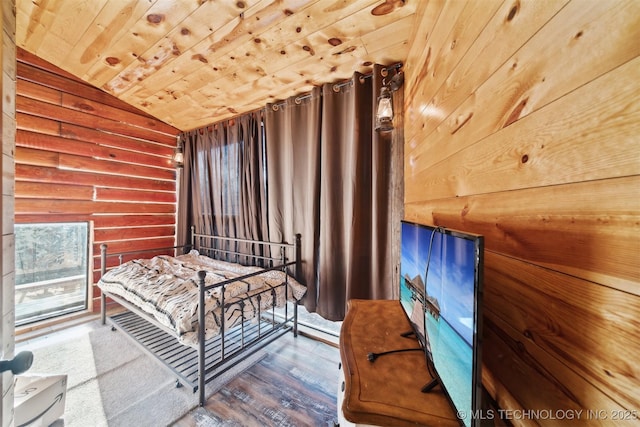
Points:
[(178, 155), (384, 114)]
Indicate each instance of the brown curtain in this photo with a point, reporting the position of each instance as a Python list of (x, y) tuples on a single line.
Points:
[(222, 187), (355, 210), (293, 152), (330, 178)]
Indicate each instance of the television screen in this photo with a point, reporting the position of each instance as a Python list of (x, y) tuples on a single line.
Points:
[(440, 290)]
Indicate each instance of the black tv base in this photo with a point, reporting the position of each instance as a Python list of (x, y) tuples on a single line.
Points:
[(430, 385), (407, 334)]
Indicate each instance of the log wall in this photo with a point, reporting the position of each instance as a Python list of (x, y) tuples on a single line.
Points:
[(522, 123), (83, 155)]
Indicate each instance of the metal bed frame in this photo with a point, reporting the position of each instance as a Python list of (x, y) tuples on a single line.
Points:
[(198, 366)]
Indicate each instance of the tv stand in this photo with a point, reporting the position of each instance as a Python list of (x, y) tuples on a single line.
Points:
[(389, 391)]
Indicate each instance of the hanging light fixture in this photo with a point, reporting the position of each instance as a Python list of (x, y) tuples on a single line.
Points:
[(178, 155), (384, 114)]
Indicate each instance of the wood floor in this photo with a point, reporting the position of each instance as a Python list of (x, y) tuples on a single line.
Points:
[(295, 384)]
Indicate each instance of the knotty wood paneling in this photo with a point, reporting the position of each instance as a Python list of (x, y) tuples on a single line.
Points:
[(547, 314), (542, 225), (192, 63), (82, 155), (522, 124)]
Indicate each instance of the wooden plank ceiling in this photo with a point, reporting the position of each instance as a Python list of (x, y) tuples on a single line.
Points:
[(191, 63)]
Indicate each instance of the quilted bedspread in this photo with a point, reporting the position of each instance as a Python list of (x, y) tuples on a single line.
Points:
[(167, 288)]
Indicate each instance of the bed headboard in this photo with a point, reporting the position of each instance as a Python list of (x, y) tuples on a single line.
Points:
[(250, 252)]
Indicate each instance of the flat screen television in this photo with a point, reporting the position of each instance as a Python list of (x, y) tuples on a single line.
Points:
[(441, 292)]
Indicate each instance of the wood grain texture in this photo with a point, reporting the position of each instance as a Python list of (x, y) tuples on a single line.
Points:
[(66, 115), (596, 222), (538, 381), (35, 69), (166, 57), (82, 157), (53, 191), (33, 172), (106, 221), (37, 218), (295, 385), (46, 206), (512, 25), (520, 85), (32, 156), (117, 194), (108, 25), (81, 133), (39, 141), (521, 123), (7, 172), (126, 233), (571, 140), (530, 137), (545, 316)]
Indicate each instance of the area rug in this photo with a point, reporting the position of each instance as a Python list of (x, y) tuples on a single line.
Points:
[(112, 382)]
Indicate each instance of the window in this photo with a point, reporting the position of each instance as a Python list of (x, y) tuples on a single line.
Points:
[(230, 157), (51, 270), (219, 167), (218, 174)]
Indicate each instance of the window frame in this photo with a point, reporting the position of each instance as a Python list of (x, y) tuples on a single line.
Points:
[(87, 269)]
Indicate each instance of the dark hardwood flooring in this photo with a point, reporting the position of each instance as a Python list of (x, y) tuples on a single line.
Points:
[(295, 384)]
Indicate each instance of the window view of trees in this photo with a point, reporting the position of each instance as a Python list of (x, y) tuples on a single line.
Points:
[(51, 270)]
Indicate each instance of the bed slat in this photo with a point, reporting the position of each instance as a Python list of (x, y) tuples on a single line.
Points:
[(182, 361)]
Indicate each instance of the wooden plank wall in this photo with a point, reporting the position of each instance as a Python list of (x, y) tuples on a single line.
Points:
[(7, 269), (82, 154), (522, 123)]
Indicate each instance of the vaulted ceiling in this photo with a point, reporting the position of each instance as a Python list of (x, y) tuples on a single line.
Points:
[(191, 63)]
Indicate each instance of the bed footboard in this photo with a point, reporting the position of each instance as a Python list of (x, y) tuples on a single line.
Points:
[(203, 361)]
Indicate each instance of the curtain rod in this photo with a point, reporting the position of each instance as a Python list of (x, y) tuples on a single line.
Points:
[(336, 86), (299, 99)]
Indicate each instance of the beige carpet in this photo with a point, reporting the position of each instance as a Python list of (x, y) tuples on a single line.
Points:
[(112, 382)]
